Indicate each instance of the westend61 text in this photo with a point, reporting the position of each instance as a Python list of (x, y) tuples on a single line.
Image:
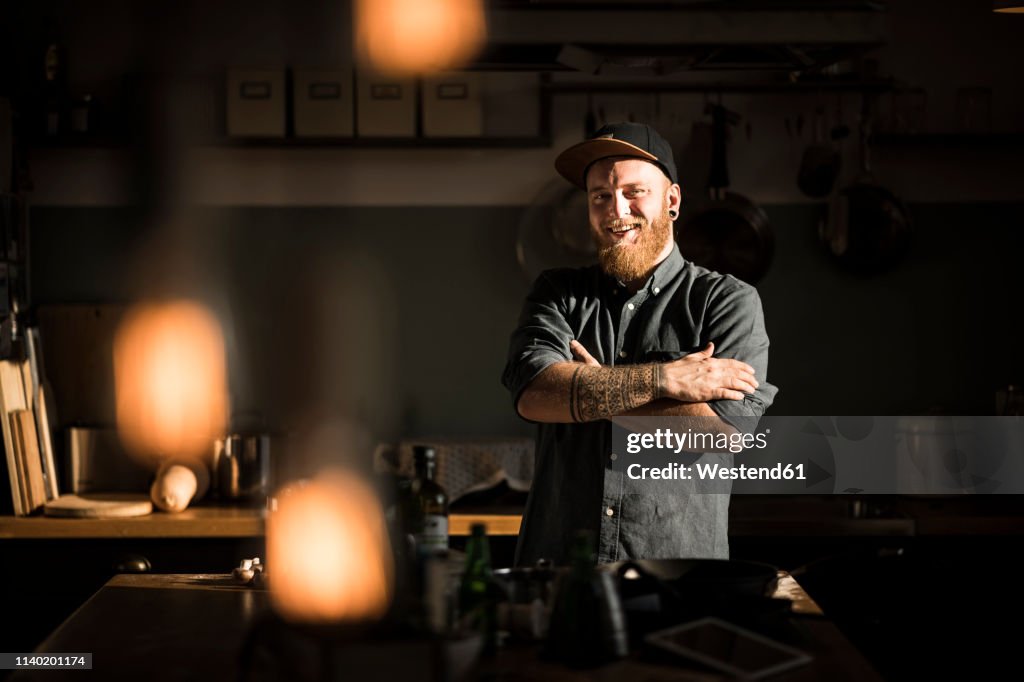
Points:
[(694, 441), (709, 472)]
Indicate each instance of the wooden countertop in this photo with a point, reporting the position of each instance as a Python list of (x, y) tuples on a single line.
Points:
[(199, 522), (751, 516)]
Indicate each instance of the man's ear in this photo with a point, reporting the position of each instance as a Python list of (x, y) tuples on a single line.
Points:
[(674, 197)]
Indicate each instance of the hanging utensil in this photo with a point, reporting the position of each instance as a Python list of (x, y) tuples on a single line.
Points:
[(869, 228), (820, 164), (729, 233)]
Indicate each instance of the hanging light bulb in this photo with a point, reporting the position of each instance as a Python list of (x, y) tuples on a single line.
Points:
[(170, 376), (328, 552), (409, 37)]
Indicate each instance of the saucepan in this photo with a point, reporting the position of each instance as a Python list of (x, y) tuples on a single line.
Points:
[(242, 468)]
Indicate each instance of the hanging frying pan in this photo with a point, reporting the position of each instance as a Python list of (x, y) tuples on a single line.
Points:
[(729, 233), (869, 229), (554, 231)]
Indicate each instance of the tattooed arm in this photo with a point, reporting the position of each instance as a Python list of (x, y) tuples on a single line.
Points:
[(583, 392)]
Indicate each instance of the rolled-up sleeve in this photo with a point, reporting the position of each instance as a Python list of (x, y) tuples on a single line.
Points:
[(541, 337), (735, 324)]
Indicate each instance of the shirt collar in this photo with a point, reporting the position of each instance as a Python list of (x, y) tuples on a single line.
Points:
[(666, 270)]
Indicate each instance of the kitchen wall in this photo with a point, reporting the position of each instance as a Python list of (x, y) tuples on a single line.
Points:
[(437, 291), (383, 283)]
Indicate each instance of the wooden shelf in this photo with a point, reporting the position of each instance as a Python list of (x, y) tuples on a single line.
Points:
[(953, 140), (780, 87), (103, 142)]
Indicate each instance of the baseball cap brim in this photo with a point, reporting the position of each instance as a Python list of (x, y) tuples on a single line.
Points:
[(572, 164)]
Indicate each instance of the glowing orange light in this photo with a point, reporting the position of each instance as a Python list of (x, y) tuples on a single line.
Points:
[(170, 375), (328, 552), (406, 37)]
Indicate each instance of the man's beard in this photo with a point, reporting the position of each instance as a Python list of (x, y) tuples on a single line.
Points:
[(630, 262)]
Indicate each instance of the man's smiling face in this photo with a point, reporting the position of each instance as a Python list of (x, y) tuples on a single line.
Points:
[(628, 201)]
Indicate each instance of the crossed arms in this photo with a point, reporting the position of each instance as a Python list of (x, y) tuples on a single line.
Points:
[(585, 391)]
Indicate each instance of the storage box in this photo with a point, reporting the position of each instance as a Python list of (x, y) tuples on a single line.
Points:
[(452, 105), (323, 103), (385, 107), (256, 103)]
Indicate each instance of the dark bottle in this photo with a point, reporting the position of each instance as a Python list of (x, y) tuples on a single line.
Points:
[(478, 605), (587, 624), (430, 526)]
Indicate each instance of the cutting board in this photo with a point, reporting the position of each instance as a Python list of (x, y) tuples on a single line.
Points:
[(99, 506)]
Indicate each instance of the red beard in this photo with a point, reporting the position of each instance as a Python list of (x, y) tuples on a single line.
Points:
[(630, 262)]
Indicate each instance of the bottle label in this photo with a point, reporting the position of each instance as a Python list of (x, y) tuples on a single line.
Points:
[(434, 535)]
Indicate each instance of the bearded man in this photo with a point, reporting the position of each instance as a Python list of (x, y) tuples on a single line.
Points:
[(643, 333)]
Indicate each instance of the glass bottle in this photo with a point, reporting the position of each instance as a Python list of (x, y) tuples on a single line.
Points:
[(478, 608), (430, 527)]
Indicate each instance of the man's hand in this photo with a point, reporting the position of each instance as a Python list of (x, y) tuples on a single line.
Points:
[(582, 355), (700, 377)]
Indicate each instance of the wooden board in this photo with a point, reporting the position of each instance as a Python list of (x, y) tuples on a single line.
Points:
[(10, 377), (77, 352), (29, 441), (21, 468), (34, 380), (100, 506), (46, 443)]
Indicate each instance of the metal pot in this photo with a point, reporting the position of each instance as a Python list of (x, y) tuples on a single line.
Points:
[(242, 468)]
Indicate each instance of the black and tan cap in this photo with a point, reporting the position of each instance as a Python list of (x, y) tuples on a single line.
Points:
[(616, 139)]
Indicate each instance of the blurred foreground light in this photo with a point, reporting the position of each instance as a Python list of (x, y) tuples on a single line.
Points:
[(408, 37), (1008, 6), (170, 376), (328, 552)]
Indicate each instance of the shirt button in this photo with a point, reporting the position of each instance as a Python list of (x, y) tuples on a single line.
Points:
[(614, 457), (657, 290), (630, 306), (609, 511), (623, 353)]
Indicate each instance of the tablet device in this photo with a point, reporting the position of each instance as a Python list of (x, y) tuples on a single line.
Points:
[(729, 648)]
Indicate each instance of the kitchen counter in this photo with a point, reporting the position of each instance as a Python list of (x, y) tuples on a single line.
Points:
[(203, 522), (198, 522), (118, 626), (750, 516)]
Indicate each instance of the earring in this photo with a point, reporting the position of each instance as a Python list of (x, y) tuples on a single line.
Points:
[(673, 214)]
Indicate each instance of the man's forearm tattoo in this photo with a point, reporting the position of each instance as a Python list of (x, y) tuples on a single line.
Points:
[(602, 392)]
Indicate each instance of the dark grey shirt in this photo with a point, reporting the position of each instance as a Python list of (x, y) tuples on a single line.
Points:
[(677, 312)]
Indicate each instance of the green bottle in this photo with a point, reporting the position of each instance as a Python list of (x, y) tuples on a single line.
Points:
[(478, 608)]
